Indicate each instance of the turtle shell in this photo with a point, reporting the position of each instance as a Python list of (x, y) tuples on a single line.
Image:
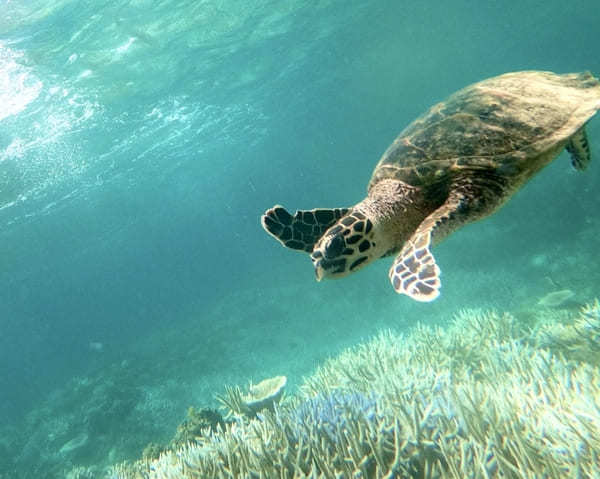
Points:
[(503, 123)]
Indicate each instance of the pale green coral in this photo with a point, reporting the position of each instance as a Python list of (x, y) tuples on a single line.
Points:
[(485, 398)]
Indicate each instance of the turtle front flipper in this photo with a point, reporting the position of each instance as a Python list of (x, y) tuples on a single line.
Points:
[(579, 149), (415, 272), (301, 230)]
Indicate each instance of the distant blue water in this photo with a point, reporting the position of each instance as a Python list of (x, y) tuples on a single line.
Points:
[(141, 141)]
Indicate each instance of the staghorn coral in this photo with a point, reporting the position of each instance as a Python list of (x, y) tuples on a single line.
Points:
[(331, 411), (589, 325), (481, 399), (153, 451), (80, 472), (577, 339), (199, 422), (196, 422)]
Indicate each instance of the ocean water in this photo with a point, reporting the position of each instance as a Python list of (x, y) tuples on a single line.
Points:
[(141, 141)]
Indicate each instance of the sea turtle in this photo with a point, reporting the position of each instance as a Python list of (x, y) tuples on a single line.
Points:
[(457, 163)]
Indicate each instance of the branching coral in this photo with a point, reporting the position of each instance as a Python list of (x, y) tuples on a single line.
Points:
[(199, 422), (482, 399), (577, 339)]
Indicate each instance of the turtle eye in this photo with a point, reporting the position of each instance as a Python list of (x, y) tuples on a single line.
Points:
[(334, 247)]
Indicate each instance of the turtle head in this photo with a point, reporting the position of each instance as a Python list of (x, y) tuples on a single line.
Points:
[(376, 227), (346, 246)]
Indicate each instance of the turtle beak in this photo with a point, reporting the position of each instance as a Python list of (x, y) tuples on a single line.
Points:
[(319, 271), (325, 268), (317, 259)]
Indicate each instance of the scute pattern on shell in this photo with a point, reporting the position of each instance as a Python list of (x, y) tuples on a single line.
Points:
[(497, 124)]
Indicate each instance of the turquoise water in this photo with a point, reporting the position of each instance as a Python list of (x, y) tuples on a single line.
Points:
[(140, 142)]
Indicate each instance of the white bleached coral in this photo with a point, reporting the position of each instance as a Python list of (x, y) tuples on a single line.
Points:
[(480, 399)]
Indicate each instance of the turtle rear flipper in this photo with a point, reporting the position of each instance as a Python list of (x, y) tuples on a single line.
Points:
[(415, 272), (301, 230), (579, 149)]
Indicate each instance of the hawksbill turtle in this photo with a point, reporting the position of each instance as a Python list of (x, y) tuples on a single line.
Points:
[(457, 163)]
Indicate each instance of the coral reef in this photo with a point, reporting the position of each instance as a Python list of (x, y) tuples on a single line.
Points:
[(331, 411), (80, 472), (198, 423), (77, 431), (488, 397), (577, 338), (263, 395)]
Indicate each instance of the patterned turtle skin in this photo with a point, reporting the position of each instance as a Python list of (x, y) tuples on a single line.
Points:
[(457, 163)]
